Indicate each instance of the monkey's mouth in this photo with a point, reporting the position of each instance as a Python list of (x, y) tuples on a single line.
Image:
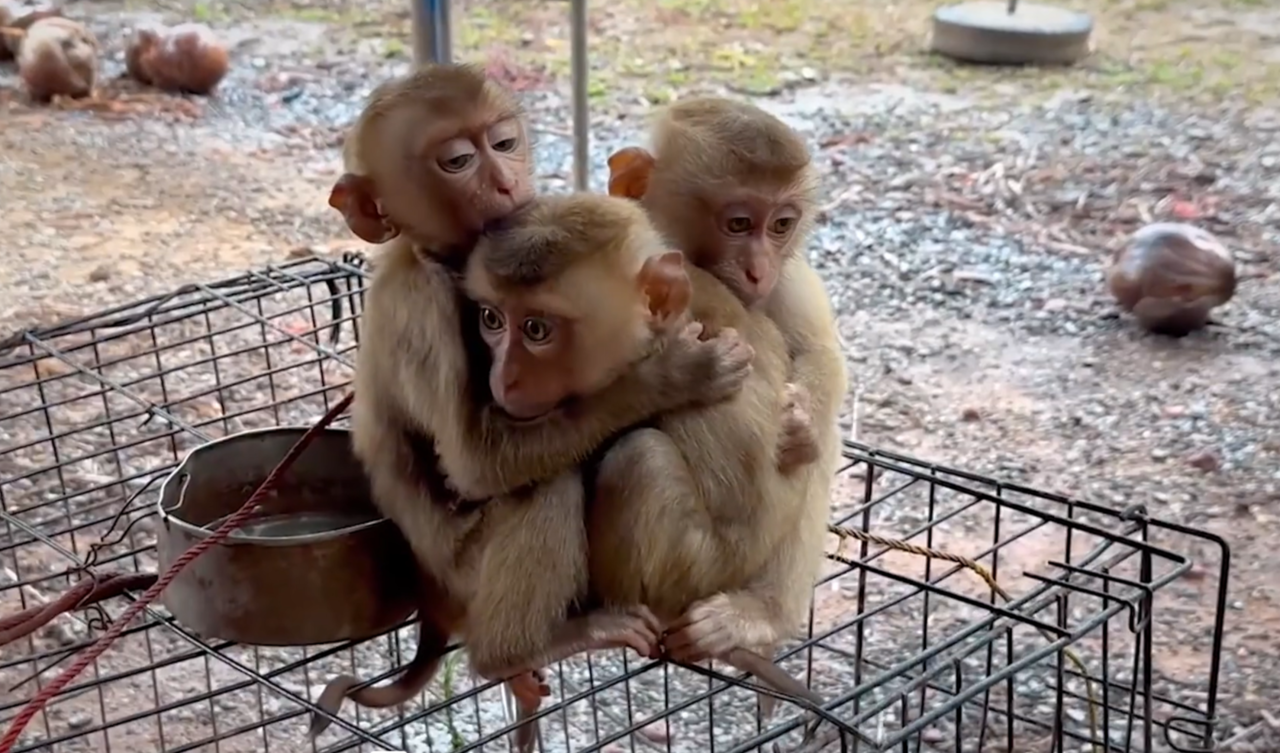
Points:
[(537, 418)]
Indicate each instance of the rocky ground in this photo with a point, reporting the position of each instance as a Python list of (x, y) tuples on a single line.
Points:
[(968, 214)]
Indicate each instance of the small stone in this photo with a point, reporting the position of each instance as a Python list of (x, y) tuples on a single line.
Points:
[(1206, 460), (1174, 411), (970, 415), (1159, 453), (1054, 305), (301, 252), (932, 736), (102, 273)]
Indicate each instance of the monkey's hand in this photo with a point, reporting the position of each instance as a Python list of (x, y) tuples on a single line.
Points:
[(715, 626), (798, 445), (702, 371)]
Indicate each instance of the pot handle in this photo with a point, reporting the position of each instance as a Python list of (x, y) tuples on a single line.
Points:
[(184, 479)]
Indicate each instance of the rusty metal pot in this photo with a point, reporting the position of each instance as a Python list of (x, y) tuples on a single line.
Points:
[(318, 564)]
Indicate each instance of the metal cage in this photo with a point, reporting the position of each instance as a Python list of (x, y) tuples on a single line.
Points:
[(913, 653)]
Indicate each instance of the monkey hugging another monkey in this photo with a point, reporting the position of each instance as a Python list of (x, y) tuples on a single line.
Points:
[(648, 461)]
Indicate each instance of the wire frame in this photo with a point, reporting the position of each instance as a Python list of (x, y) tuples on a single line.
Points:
[(911, 653)]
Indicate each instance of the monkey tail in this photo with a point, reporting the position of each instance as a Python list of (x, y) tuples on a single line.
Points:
[(416, 676)]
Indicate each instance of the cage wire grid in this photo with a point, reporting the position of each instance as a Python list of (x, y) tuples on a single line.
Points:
[(914, 654)]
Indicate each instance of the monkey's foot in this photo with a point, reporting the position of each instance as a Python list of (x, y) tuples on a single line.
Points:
[(633, 627), (713, 627), (529, 689)]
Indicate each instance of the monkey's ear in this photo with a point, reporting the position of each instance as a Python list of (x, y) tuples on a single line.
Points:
[(665, 285), (354, 196), (12, 34), (629, 170)]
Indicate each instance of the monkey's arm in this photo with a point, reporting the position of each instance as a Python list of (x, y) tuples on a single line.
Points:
[(681, 372), (801, 309)]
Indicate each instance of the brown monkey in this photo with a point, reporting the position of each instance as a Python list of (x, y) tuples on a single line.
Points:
[(56, 56), (183, 58), (434, 157), (1170, 276), (692, 518), (18, 16), (734, 188)]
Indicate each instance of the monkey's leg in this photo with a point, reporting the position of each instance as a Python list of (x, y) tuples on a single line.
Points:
[(645, 546), (532, 572), (644, 550)]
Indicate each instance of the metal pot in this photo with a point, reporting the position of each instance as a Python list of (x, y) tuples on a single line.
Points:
[(318, 564)]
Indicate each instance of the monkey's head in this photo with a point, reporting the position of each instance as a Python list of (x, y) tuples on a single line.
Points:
[(572, 291), (731, 185), (435, 155), (1171, 275)]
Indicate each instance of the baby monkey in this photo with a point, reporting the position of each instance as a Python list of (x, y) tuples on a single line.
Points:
[(733, 187), (692, 518)]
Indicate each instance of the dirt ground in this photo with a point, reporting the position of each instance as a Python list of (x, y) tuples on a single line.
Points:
[(968, 214)]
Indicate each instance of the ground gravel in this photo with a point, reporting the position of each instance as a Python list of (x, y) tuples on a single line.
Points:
[(962, 245)]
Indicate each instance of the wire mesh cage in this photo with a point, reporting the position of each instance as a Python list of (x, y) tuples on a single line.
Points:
[(912, 653)]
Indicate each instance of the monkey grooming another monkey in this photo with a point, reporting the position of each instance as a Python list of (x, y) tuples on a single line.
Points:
[(434, 157), (734, 188), (1170, 276), (56, 57), (183, 58), (692, 517)]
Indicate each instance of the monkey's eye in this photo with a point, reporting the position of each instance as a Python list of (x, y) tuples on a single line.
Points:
[(456, 164), (738, 225), (505, 136), (536, 330), (783, 225), (456, 155), (490, 319)]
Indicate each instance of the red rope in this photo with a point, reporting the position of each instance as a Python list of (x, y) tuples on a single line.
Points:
[(117, 627)]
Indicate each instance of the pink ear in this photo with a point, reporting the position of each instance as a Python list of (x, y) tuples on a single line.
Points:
[(629, 170), (665, 284), (355, 197)]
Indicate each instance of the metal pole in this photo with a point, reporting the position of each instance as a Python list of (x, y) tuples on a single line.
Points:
[(432, 31), (579, 71)]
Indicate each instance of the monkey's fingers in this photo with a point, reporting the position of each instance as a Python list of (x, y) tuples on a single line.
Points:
[(692, 331), (635, 628), (699, 635)]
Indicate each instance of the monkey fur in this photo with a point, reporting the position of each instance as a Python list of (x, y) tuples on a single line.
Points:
[(691, 518), (433, 158), (1170, 276), (183, 58), (57, 57)]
